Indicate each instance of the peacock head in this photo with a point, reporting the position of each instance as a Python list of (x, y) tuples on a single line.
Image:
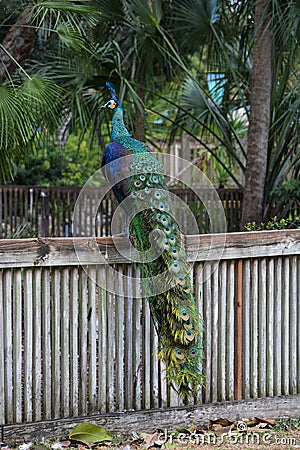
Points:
[(113, 103)]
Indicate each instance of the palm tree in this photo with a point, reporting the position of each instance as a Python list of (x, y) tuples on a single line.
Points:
[(269, 56), (260, 101), (142, 46)]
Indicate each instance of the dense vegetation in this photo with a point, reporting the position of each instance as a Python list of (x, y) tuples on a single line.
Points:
[(170, 80)]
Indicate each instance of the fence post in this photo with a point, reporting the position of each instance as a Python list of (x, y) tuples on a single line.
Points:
[(238, 330), (44, 214)]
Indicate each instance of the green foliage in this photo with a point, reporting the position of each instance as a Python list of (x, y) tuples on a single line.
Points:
[(23, 231), (287, 193), (274, 224), (286, 198), (50, 165), (25, 109)]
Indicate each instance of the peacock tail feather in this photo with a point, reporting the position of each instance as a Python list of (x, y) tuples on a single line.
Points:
[(166, 276)]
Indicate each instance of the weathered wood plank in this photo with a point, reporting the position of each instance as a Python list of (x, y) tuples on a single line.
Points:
[(254, 329), (246, 328), (74, 334), (28, 347), (83, 345), (238, 331), (120, 336), (72, 251), (92, 333), (102, 345), (65, 342), (230, 333), (8, 345), (262, 328), (56, 344), (37, 338), (270, 328), (277, 326), (163, 419), (285, 330), (215, 372), (222, 347), (2, 356), (208, 321), (293, 326), (46, 344), (17, 344)]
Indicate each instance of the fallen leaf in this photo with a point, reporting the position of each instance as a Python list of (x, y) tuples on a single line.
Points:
[(268, 421), (90, 433), (149, 438), (221, 421)]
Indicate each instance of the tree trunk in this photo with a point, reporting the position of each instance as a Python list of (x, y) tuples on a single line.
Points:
[(257, 144), (18, 43)]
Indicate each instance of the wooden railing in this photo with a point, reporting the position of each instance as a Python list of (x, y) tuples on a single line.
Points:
[(75, 337), (30, 211)]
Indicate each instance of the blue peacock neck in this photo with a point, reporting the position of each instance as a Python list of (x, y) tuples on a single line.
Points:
[(118, 127)]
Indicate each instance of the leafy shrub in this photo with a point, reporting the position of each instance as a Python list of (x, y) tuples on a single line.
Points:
[(274, 224), (286, 198)]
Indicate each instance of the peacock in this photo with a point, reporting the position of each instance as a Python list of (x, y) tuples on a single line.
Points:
[(138, 182)]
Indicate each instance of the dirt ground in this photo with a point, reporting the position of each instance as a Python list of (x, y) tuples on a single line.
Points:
[(258, 433)]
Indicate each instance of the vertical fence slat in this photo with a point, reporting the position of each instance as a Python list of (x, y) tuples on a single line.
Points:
[(254, 329), (46, 344), (8, 346), (28, 346), (146, 354), (215, 333), (208, 321), (56, 342), (92, 345), (285, 330), (102, 345), (83, 348), (230, 332), (262, 325), (277, 326), (37, 351), (110, 354), (238, 330), (74, 334), (199, 300), (2, 354), (298, 324), (154, 370), (136, 356), (293, 325), (120, 318), (65, 341), (222, 347), (246, 328), (270, 328), (128, 342), (17, 343)]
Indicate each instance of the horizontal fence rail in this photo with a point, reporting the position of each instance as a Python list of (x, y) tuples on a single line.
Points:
[(29, 211), (76, 337)]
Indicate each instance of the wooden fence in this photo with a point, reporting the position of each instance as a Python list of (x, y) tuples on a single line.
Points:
[(31, 211), (69, 346)]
